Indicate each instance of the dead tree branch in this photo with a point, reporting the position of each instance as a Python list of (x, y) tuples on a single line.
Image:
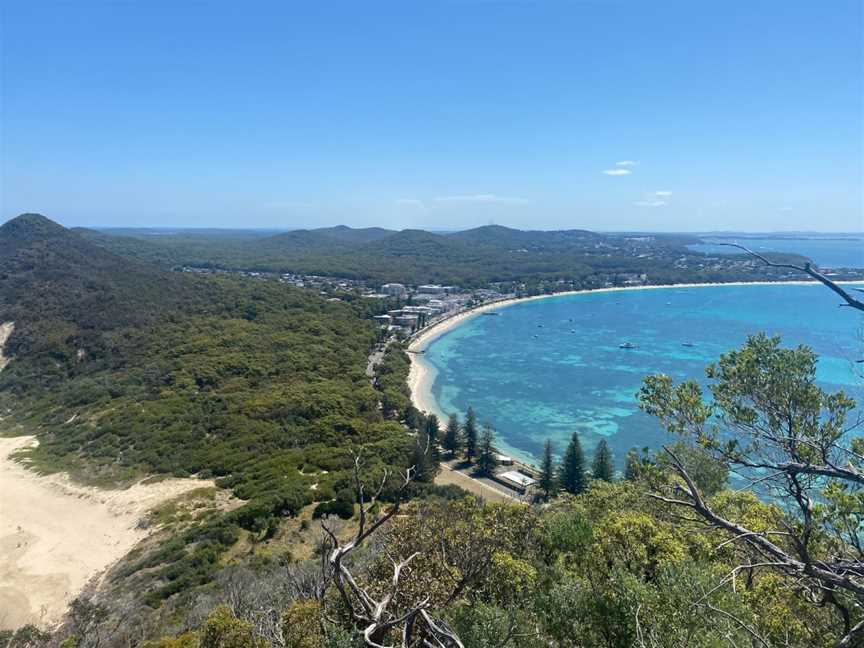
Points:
[(845, 576), (807, 269), (854, 634), (378, 622)]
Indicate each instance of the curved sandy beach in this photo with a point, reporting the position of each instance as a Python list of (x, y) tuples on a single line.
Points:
[(56, 536), (422, 375)]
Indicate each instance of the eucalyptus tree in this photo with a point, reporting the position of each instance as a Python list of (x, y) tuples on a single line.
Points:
[(632, 465), (774, 426)]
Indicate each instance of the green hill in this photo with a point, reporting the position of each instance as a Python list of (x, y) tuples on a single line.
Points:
[(355, 235), (125, 370), (538, 260), (65, 294), (508, 238), (253, 382)]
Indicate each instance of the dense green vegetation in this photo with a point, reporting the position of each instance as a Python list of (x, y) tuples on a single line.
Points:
[(124, 370), (477, 257), (390, 378), (668, 557)]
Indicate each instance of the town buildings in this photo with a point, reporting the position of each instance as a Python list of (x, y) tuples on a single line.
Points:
[(394, 290)]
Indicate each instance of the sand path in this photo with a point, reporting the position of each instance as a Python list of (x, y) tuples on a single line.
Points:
[(6, 329), (55, 536)]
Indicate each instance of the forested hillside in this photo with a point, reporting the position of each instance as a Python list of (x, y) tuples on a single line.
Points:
[(124, 370), (667, 555), (473, 257), (64, 293)]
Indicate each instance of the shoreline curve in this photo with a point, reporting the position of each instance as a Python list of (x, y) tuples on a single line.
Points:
[(421, 375)]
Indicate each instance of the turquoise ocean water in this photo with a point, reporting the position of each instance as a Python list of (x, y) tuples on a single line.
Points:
[(546, 368)]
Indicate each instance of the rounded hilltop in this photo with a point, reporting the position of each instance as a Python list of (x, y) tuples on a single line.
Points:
[(31, 226)]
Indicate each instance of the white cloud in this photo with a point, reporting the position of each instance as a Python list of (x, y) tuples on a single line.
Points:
[(626, 163), (482, 198), (409, 202), (282, 205), (654, 199), (617, 172)]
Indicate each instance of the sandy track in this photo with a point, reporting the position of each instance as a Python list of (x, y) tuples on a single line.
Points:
[(6, 329), (55, 536)]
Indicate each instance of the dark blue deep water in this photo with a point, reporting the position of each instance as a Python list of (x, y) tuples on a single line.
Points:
[(824, 252), (546, 368)]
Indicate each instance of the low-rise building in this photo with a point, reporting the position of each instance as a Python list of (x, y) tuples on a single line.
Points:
[(431, 289), (408, 321), (417, 310), (516, 480), (633, 279), (393, 289)]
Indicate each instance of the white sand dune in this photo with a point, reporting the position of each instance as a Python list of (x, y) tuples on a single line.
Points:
[(6, 329), (55, 536)]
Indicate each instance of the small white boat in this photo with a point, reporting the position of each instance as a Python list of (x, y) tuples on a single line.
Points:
[(627, 345)]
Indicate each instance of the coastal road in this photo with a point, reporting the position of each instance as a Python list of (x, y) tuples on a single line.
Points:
[(375, 358)]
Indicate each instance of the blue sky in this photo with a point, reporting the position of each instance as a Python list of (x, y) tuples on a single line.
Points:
[(608, 115)]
